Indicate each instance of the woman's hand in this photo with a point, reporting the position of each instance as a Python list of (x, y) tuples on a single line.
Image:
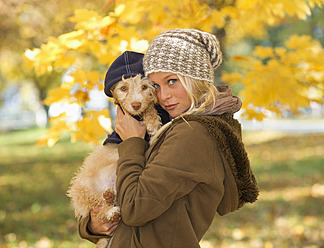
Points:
[(97, 226), (128, 127)]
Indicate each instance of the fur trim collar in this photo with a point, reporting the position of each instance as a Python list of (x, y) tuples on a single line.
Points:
[(226, 132)]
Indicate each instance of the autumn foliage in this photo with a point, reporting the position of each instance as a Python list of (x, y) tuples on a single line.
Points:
[(272, 78)]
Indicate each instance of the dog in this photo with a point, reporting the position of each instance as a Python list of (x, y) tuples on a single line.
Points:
[(94, 183)]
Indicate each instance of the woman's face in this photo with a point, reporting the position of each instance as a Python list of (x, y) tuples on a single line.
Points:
[(171, 94)]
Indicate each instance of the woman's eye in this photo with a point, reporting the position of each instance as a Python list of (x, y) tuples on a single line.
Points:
[(144, 87), (156, 86), (172, 81), (124, 88)]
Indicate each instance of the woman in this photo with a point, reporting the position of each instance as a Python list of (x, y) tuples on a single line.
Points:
[(196, 166)]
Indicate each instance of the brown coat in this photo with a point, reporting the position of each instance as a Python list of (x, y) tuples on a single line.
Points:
[(169, 194)]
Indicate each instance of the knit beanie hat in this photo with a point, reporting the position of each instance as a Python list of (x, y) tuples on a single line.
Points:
[(188, 52), (129, 64)]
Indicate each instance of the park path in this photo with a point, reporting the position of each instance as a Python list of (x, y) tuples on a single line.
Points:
[(285, 125)]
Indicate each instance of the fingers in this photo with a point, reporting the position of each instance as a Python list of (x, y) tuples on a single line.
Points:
[(127, 127), (121, 117), (103, 228), (112, 228), (121, 112), (98, 226), (120, 107)]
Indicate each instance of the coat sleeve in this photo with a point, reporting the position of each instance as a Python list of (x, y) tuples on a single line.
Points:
[(85, 233), (184, 159)]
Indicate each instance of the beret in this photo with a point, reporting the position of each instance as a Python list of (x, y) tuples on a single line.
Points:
[(129, 64)]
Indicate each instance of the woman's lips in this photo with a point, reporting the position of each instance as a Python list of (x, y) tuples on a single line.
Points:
[(171, 106)]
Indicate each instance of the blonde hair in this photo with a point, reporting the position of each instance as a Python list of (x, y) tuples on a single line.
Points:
[(202, 94)]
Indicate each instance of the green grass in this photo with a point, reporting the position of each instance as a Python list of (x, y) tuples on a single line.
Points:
[(33, 180), (35, 212)]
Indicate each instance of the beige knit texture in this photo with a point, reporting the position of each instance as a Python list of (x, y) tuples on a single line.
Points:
[(188, 52)]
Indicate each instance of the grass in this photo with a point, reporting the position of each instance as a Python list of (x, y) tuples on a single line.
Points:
[(34, 211)]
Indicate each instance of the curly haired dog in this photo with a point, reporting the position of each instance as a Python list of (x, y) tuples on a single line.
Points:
[(94, 184)]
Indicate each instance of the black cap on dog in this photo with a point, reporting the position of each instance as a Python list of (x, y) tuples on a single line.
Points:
[(129, 64)]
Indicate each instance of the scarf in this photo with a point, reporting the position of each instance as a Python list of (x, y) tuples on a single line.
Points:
[(225, 103)]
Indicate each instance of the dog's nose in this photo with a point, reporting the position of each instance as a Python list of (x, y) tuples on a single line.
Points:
[(136, 105)]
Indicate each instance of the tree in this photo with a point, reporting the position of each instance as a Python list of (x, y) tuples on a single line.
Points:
[(26, 24), (279, 78)]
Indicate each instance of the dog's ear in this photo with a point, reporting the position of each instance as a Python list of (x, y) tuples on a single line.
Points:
[(114, 96), (112, 88), (153, 92), (154, 97)]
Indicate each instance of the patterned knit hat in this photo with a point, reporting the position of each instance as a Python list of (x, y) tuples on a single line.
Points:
[(188, 52)]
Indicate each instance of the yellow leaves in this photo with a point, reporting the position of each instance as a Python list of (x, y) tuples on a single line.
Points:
[(246, 4), (64, 60), (72, 40), (280, 78), (273, 78), (54, 54), (52, 135), (129, 12), (106, 21), (134, 45), (77, 89), (91, 26), (81, 96), (252, 113), (83, 17), (231, 78), (166, 14), (42, 59), (31, 54), (282, 8), (89, 128), (86, 79), (263, 52), (313, 3), (240, 58), (216, 18), (252, 17), (309, 52), (280, 51), (120, 9), (56, 95), (302, 43)]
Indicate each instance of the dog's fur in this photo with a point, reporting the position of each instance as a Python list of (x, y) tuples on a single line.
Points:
[(95, 182)]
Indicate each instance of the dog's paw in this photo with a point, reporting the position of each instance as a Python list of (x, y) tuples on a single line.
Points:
[(150, 131), (114, 214), (102, 243), (152, 128), (109, 195)]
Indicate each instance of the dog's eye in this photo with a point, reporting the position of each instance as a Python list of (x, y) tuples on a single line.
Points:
[(144, 87), (123, 88)]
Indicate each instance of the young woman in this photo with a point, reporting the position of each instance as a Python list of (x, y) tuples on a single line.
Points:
[(196, 166)]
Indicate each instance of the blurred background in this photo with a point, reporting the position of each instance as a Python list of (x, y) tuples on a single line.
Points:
[(53, 57)]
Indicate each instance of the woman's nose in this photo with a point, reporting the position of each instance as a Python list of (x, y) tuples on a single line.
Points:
[(164, 94)]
